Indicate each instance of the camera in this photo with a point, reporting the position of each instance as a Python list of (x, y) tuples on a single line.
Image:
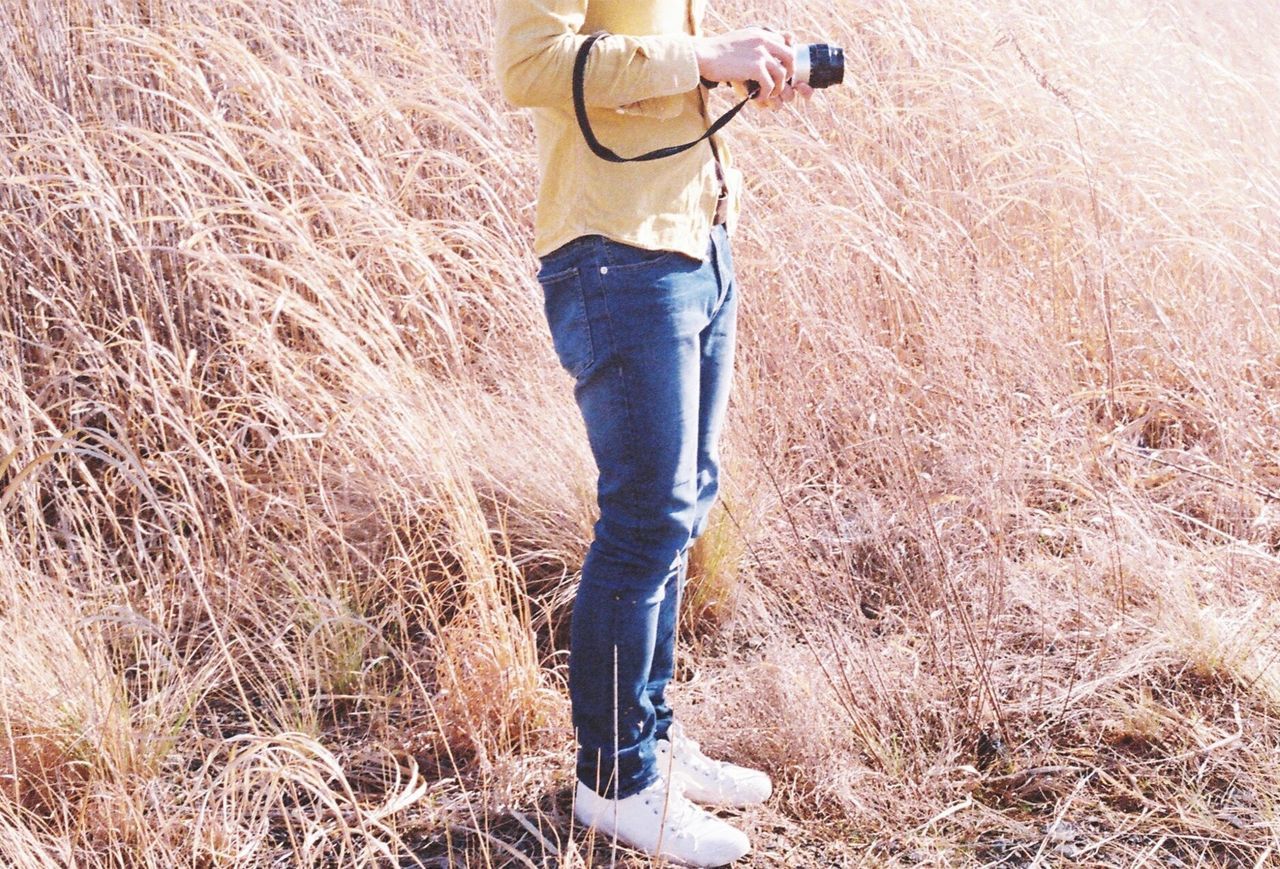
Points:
[(818, 65)]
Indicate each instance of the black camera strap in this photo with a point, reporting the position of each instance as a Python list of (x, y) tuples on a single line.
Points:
[(580, 108)]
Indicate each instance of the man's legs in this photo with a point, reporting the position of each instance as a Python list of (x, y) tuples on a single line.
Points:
[(629, 325)]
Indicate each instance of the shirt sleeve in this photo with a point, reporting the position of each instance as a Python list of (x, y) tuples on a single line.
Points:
[(537, 41)]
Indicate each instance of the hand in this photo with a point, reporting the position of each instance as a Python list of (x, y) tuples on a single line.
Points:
[(753, 54), (789, 91)]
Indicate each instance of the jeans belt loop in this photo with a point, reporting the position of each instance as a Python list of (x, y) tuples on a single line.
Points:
[(722, 211)]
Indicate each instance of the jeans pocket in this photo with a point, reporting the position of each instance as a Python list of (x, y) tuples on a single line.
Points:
[(624, 257), (566, 310)]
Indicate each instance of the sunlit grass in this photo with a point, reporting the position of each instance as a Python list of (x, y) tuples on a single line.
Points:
[(294, 494)]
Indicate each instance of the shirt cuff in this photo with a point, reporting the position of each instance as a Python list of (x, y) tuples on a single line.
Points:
[(673, 63)]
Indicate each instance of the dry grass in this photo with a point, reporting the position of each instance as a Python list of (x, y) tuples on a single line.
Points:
[(293, 492)]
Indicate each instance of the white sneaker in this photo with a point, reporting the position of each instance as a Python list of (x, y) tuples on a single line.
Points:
[(662, 823), (704, 780)]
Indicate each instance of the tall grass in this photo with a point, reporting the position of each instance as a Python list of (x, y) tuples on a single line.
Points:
[(294, 495)]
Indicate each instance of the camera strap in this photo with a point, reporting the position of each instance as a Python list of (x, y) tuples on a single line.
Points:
[(604, 153)]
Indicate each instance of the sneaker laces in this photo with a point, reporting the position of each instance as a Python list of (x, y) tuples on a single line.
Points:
[(678, 814), (687, 751)]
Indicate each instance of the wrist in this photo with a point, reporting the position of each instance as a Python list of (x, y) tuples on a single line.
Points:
[(705, 54)]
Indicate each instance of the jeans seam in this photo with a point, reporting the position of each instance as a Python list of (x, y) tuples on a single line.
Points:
[(618, 365), (586, 327), (630, 457)]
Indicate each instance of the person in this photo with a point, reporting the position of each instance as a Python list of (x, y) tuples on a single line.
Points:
[(641, 301)]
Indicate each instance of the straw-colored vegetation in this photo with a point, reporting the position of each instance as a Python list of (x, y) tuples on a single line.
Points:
[(293, 492)]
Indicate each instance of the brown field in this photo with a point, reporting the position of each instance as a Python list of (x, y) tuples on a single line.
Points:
[(293, 493)]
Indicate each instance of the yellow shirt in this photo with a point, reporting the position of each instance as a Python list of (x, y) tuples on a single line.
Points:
[(642, 92)]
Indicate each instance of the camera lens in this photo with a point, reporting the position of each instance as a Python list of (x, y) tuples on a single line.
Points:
[(824, 63)]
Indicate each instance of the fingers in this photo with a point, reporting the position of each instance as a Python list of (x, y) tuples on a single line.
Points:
[(777, 46), (789, 94), (755, 54), (772, 78), (803, 91)]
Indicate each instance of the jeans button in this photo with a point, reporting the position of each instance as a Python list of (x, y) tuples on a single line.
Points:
[(604, 270)]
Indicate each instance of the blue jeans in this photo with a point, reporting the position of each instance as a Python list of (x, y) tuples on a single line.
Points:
[(648, 338)]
